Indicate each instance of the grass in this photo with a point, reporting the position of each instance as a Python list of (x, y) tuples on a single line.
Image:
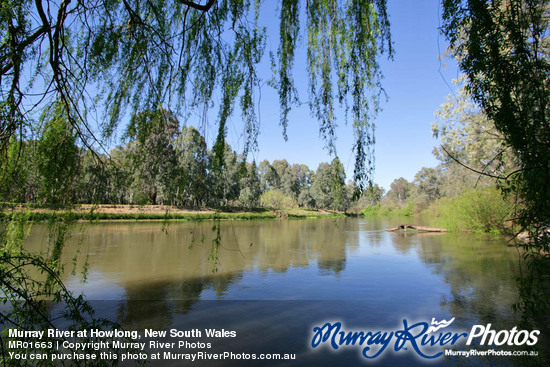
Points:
[(378, 209)]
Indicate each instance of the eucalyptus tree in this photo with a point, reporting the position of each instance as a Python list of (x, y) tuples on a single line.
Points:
[(94, 180), (269, 179), (192, 164), (284, 180), (469, 138), (224, 183), (151, 136), (58, 158), (120, 168), (250, 186), (321, 186), (371, 196), (399, 193), (427, 186), (329, 186)]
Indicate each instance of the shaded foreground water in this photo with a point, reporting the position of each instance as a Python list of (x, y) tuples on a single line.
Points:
[(273, 281)]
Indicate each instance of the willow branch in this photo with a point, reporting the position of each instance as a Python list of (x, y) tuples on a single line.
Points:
[(200, 7)]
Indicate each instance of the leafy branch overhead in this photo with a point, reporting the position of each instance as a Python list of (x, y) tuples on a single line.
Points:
[(100, 60)]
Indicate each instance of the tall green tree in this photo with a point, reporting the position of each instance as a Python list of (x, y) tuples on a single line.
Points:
[(151, 137), (19, 178), (269, 179), (400, 190), (192, 157), (329, 186), (503, 48), (250, 187), (58, 158)]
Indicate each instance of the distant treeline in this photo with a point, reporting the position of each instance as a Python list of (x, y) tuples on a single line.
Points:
[(159, 163)]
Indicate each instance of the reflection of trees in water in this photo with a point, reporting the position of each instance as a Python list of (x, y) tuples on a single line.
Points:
[(165, 269), (480, 272), (153, 304), (403, 241), (295, 243), (329, 267)]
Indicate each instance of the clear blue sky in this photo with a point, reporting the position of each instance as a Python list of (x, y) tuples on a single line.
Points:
[(415, 89)]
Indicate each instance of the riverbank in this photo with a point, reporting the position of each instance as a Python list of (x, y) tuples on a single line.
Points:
[(161, 212)]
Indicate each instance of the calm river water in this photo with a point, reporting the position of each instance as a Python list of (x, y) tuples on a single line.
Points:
[(275, 280)]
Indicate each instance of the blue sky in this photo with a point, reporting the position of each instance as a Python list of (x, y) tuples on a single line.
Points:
[(416, 83)]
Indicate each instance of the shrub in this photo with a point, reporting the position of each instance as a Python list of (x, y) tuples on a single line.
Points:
[(476, 210), (277, 200)]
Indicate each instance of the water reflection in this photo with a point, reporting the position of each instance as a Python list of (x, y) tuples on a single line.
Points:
[(151, 261), (160, 276)]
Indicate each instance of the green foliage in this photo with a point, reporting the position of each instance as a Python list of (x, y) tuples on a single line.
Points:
[(371, 210), (135, 56), (58, 157), (503, 48), (481, 210), (153, 157), (192, 163), (387, 209), (19, 179), (329, 188), (37, 298), (347, 37), (250, 187), (468, 136), (277, 200), (427, 187)]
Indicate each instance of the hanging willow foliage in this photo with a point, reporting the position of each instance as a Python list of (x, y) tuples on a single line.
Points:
[(101, 60)]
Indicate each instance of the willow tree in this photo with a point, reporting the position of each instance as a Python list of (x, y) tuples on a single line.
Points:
[(106, 59), (100, 61), (503, 47)]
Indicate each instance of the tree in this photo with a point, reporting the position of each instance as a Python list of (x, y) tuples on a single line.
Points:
[(399, 190), (321, 187), (121, 171), (284, 181), (329, 186), (94, 180), (338, 185), (19, 180), (503, 48), (151, 138), (269, 179), (250, 187), (176, 54), (192, 156), (469, 137), (427, 186), (58, 158), (224, 181), (371, 196)]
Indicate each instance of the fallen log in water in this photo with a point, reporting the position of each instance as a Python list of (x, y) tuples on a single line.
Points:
[(416, 228)]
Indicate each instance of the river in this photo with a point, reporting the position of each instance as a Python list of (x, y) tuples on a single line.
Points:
[(273, 281)]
